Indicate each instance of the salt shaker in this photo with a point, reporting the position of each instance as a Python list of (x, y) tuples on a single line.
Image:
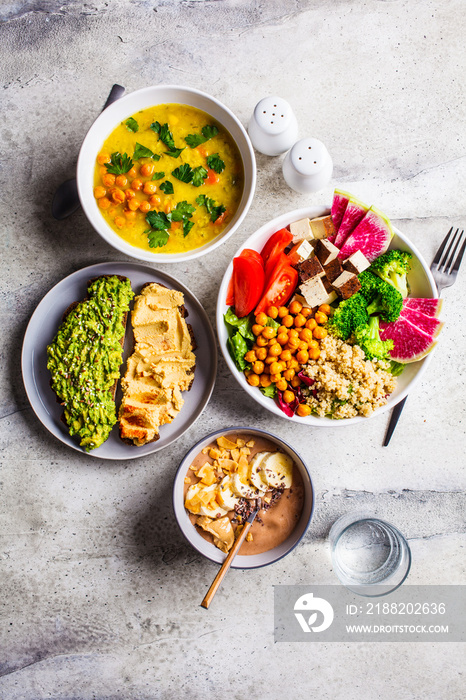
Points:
[(273, 128), (307, 166)]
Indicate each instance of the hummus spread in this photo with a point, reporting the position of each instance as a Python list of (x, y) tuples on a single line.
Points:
[(160, 367)]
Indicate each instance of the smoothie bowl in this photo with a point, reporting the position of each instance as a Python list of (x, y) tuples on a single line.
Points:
[(220, 481), (166, 174)]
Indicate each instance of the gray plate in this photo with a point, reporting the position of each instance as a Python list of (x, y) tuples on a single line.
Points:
[(43, 327)]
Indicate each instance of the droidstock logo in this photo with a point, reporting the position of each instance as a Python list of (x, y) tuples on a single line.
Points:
[(308, 604)]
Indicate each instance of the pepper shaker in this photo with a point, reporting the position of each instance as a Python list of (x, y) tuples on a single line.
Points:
[(273, 128), (307, 166)]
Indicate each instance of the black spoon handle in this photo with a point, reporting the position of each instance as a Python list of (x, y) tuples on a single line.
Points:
[(396, 413), (115, 93)]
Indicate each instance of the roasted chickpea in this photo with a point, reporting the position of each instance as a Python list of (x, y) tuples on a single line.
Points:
[(306, 311), (136, 184), (269, 332), (282, 312), (295, 307), (311, 323), (103, 203), (275, 377), (293, 343), (295, 382), (144, 207), (121, 180), (285, 355), (99, 192), (288, 374), (132, 172), (147, 169), (325, 309), (305, 335), (257, 367), (118, 196), (250, 356), (103, 158), (302, 356), (130, 194), (282, 338), (269, 359), (261, 319), (154, 199), (282, 384), (319, 332), (288, 320), (119, 221), (321, 318), (282, 329), (253, 380), (288, 396), (302, 345), (265, 380), (293, 333), (314, 353), (130, 215), (299, 321), (133, 204), (293, 364), (149, 187), (275, 350), (108, 179), (303, 410), (272, 311), (257, 329), (275, 368), (261, 342), (313, 343), (261, 353)]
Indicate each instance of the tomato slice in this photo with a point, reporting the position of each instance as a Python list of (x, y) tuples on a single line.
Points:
[(275, 246), (279, 288), (248, 284), (246, 253)]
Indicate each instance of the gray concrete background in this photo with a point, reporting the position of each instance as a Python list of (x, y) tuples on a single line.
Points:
[(99, 592)]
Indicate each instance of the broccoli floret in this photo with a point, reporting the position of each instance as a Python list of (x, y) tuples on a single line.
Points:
[(368, 338), (393, 267), (349, 314), (382, 298)]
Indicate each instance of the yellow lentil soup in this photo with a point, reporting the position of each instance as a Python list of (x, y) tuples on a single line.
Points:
[(168, 179)]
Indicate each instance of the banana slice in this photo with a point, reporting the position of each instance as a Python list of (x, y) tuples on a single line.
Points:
[(205, 495), (245, 490), (276, 470), (226, 495), (255, 476)]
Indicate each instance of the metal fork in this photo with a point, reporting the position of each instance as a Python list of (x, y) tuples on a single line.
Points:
[(444, 270)]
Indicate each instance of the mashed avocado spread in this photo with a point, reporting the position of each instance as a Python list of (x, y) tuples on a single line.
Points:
[(85, 357)]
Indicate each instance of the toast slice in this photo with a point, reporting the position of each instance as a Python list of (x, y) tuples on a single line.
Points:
[(160, 367), (85, 356)]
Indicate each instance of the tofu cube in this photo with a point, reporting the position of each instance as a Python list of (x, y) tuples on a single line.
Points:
[(356, 263), (310, 268), (347, 284), (300, 252), (314, 292), (333, 270), (332, 295), (301, 230), (325, 251), (322, 227)]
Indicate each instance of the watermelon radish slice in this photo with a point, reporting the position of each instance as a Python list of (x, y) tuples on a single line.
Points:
[(371, 236), (429, 307), (428, 324), (340, 201), (354, 213), (410, 343)]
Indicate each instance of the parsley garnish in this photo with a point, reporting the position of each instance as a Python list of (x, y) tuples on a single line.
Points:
[(119, 164), (132, 124), (183, 173), (157, 239), (156, 156), (167, 187), (141, 151), (166, 137), (214, 210), (216, 163), (157, 176), (208, 132), (161, 222), (199, 175)]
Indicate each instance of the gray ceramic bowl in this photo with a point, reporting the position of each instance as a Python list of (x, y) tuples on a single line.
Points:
[(210, 550)]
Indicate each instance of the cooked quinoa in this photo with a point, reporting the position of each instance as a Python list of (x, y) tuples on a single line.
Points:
[(345, 383)]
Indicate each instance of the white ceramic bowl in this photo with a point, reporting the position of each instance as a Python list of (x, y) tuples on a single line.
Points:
[(422, 285), (126, 107), (210, 550)]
